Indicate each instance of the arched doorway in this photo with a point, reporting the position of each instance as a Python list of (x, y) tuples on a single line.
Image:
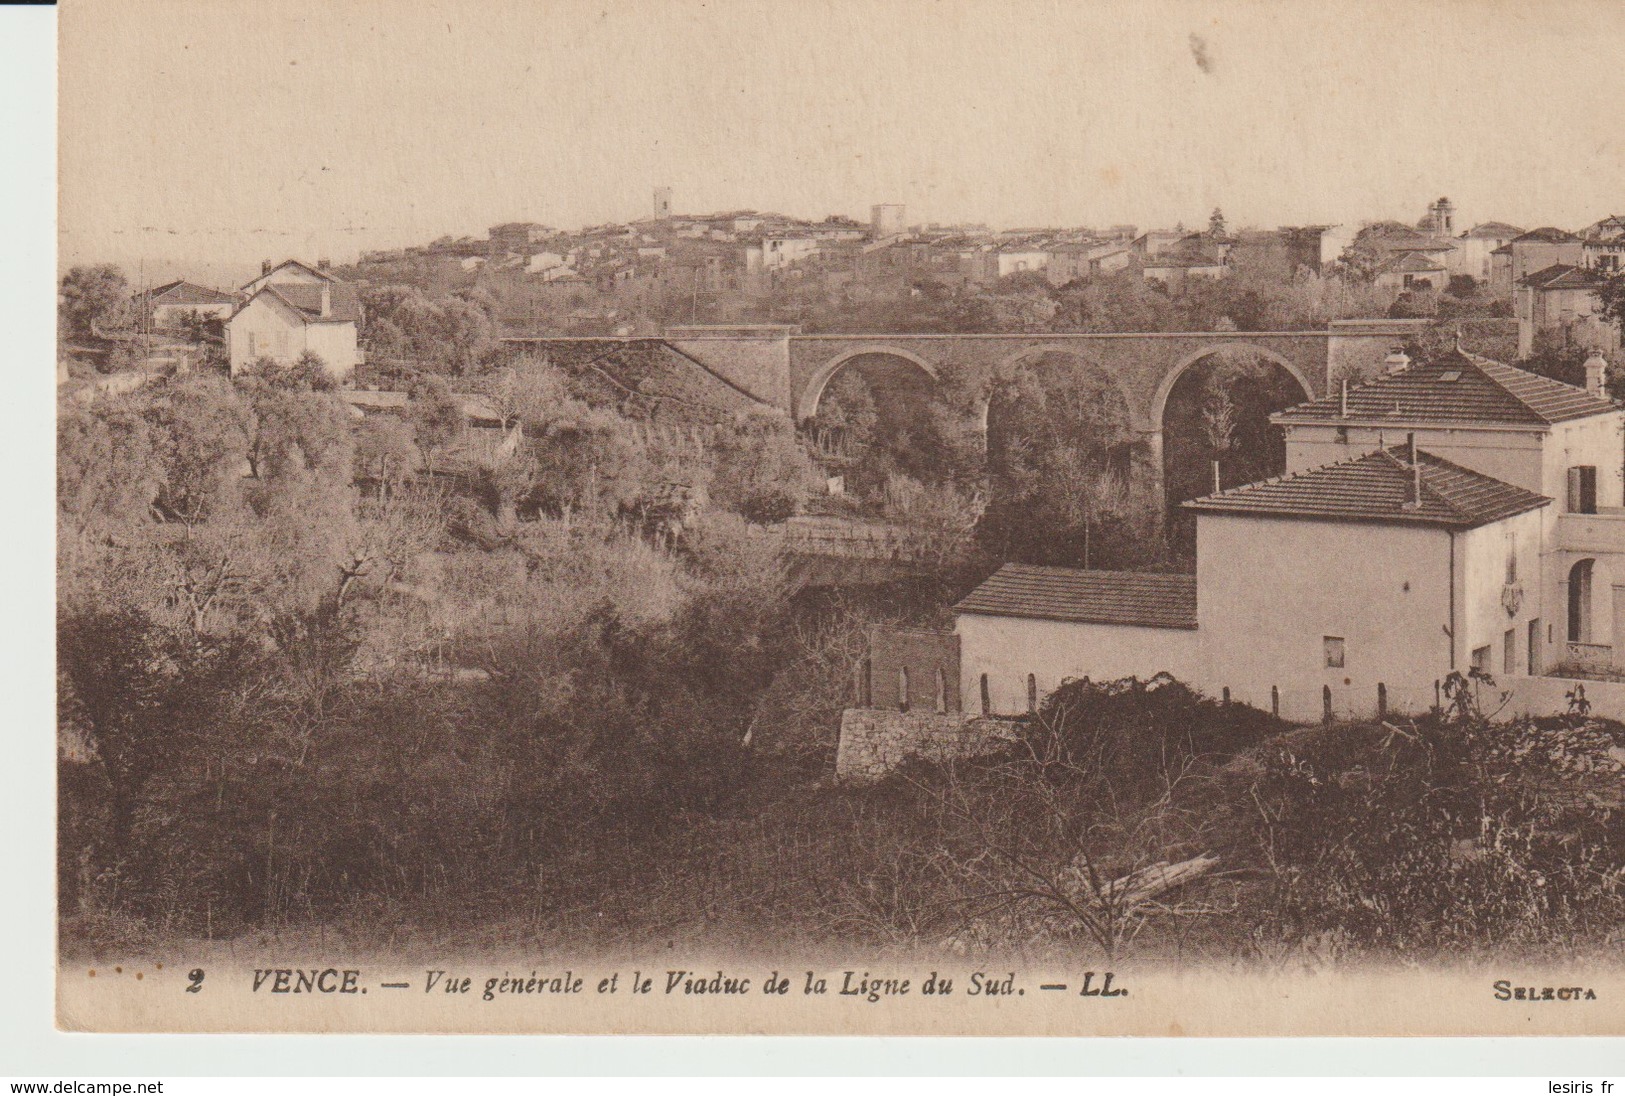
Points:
[(1582, 613), (1069, 483), (1214, 411)]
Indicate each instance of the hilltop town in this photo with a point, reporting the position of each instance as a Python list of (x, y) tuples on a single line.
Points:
[(640, 526)]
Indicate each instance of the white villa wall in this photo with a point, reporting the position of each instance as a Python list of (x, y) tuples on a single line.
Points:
[(1271, 590), (1598, 441), (1481, 564), (263, 329), (1512, 456), (335, 342), (1007, 649), (266, 329)]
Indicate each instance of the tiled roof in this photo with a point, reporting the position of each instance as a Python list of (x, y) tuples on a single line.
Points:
[(1563, 276), (1380, 487), (1493, 230), (1410, 262), (285, 263), (1455, 388), (1090, 597), (345, 306), (1547, 235), (184, 292)]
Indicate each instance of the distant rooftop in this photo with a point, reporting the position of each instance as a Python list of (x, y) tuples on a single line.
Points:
[(1493, 230), (1563, 276), (1547, 235), (184, 292)]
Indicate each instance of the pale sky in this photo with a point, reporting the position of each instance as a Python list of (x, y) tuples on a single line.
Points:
[(221, 131)]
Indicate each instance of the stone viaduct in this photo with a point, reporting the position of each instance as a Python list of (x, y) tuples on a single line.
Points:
[(780, 367)]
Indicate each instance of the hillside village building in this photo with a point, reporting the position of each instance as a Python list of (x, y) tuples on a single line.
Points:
[(1561, 301), (169, 304), (1535, 250), (1462, 514), (292, 308)]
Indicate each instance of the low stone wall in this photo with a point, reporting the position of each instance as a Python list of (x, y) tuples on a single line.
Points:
[(1549, 696), (874, 741)]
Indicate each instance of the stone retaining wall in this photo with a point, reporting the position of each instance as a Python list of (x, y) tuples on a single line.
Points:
[(874, 741)]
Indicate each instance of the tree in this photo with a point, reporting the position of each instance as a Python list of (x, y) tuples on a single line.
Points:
[(524, 391), (1060, 459), (451, 336), (92, 299), (299, 426), (107, 470), (1611, 295), (385, 451), (1216, 227), (763, 471), (201, 430), (436, 416)]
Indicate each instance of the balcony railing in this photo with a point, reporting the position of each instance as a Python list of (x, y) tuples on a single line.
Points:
[(1590, 660)]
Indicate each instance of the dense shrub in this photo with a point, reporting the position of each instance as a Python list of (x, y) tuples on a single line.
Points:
[(1449, 835), (1132, 731)]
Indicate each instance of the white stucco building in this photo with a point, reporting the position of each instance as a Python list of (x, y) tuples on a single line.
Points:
[(292, 308), (1462, 514)]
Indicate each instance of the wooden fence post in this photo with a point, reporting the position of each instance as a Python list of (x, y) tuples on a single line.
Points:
[(1382, 701), (1275, 701)]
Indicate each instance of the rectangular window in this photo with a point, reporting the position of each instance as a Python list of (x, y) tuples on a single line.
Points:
[(1333, 646), (1481, 659), (1583, 489), (1509, 651), (1534, 647)]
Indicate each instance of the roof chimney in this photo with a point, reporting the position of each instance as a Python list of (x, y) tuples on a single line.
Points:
[(1397, 361), (324, 264), (1597, 374), (327, 299), (1416, 473), (265, 267)]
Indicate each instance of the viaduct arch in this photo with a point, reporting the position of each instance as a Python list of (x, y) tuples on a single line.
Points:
[(783, 368)]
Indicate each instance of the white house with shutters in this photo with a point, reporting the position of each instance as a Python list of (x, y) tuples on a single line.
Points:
[(1455, 515), (292, 308)]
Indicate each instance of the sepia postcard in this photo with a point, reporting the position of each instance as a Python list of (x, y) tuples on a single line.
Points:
[(865, 517)]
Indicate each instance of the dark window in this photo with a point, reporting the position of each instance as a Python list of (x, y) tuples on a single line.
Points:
[(1509, 651), (987, 699), (1333, 646), (1481, 659), (1583, 489), (1032, 693)]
